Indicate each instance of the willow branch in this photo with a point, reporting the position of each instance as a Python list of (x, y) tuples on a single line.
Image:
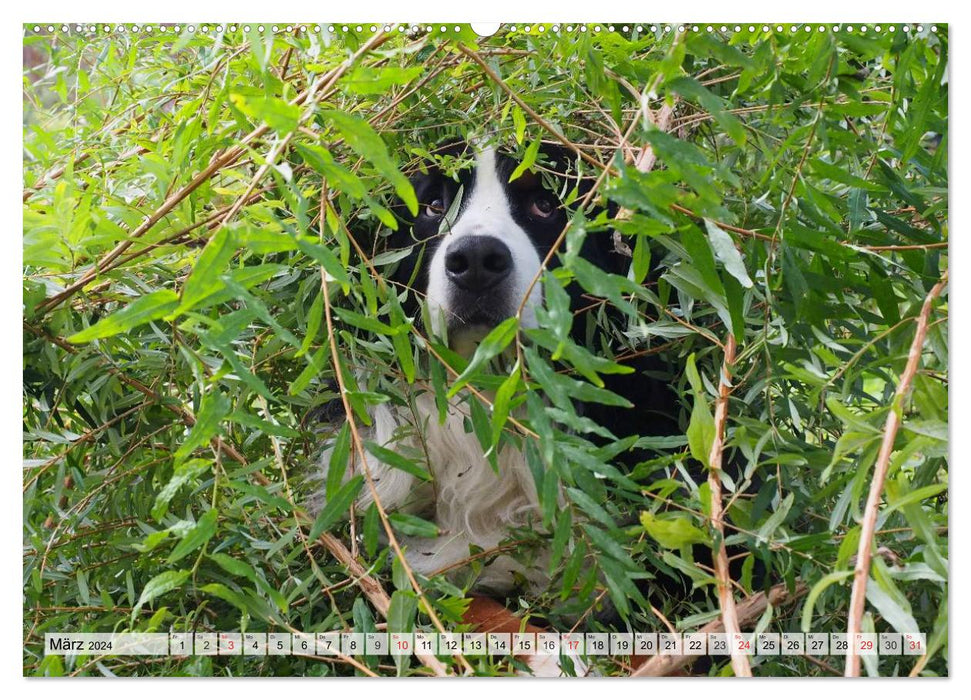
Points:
[(726, 600), (861, 572)]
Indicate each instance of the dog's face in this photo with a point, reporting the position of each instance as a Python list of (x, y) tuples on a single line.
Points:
[(478, 242)]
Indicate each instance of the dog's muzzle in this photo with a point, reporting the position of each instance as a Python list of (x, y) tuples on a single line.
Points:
[(477, 264), (478, 270)]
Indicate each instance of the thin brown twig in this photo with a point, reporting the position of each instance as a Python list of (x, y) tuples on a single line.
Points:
[(358, 444), (726, 599), (861, 572)]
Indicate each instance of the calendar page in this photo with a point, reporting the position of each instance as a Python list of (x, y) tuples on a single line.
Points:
[(539, 349)]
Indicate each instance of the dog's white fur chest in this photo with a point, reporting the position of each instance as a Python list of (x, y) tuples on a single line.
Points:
[(472, 505)]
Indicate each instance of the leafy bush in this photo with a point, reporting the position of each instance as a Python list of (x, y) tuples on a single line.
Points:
[(186, 194)]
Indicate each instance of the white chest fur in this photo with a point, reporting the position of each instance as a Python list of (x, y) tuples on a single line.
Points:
[(469, 502)]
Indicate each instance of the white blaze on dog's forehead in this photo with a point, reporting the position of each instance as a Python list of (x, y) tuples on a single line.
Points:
[(487, 184), (487, 210)]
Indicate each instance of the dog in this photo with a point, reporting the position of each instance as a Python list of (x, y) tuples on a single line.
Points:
[(473, 252), (476, 246)]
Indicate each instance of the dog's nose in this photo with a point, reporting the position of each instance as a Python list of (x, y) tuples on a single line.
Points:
[(477, 263)]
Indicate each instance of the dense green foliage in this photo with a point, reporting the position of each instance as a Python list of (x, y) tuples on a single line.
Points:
[(799, 202)]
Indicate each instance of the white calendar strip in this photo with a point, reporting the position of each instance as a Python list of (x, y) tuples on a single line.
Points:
[(383, 644)]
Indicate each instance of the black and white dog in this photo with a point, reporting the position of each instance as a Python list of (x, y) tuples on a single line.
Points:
[(476, 245)]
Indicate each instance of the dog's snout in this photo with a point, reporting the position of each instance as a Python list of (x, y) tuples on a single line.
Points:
[(478, 263)]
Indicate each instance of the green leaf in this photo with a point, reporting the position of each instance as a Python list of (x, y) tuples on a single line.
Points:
[(501, 404), (776, 519), (563, 390), (314, 318), (315, 365), (398, 461), (529, 158), (915, 496), (701, 428), (672, 532), (641, 262), (368, 144), (215, 405), (327, 260), (890, 608), (702, 258), (591, 507), (519, 123), (494, 343), (372, 325), (232, 597), (278, 114), (727, 253), (147, 308), (337, 506), (413, 525), (205, 277), (236, 567), (561, 536), (196, 537), (339, 459), (370, 80), (816, 591), (402, 611), (692, 89), (612, 287), (160, 585), (183, 474)]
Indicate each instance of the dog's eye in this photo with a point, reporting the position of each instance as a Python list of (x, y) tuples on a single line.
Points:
[(436, 209), (542, 206)]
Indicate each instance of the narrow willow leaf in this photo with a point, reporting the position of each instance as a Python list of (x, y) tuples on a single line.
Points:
[(816, 591), (323, 255), (401, 612), (314, 318), (398, 461), (672, 532), (367, 323), (159, 585), (494, 343), (777, 518), (519, 123), (201, 533), (205, 277), (278, 114), (337, 506), (316, 362), (183, 474), (214, 407), (529, 158), (360, 136), (702, 259), (147, 308), (339, 459), (701, 428), (724, 247), (641, 262), (692, 89), (413, 525), (561, 536), (501, 404)]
